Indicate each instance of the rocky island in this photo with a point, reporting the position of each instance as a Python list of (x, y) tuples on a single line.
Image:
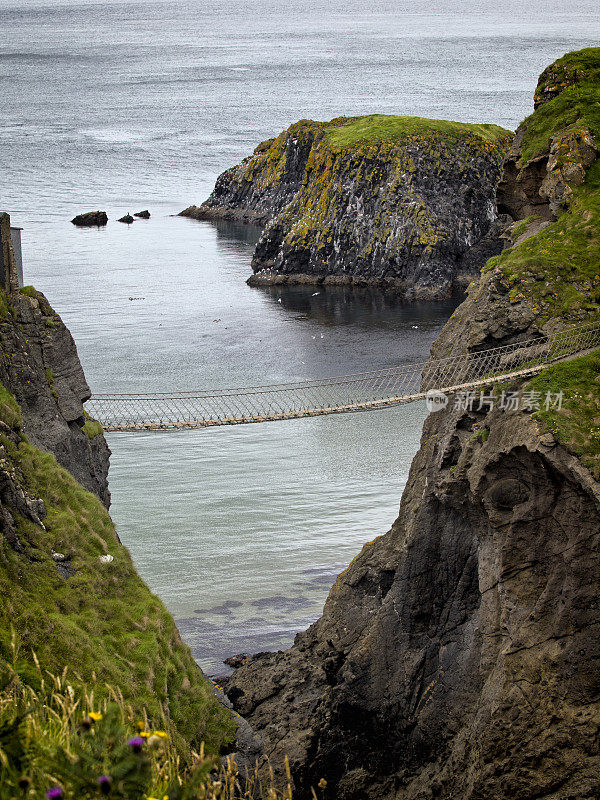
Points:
[(458, 656), (398, 202)]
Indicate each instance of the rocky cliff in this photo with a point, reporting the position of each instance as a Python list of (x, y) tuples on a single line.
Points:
[(71, 598), (399, 202), (40, 366), (458, 656)]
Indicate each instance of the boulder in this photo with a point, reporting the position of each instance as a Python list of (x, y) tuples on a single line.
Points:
[(142, 214), (89, 219), (127, 219)]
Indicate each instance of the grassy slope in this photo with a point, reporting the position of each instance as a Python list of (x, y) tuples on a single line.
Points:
[(577, 424), (577, 77), (103, 623), (558, 269)]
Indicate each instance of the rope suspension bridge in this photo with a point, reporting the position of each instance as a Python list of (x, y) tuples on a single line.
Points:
[(342, 394)]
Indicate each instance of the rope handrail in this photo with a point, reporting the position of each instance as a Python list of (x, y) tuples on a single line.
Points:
[(341, 393)]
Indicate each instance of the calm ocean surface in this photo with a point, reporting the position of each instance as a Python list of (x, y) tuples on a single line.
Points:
[(130, 105)]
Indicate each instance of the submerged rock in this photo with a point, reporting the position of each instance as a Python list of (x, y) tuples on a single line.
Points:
[(127, 219), (142, 214), (90, 219), (399, 202)]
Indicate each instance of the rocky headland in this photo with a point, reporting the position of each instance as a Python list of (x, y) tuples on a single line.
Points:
[(404, 203), (458, 656)]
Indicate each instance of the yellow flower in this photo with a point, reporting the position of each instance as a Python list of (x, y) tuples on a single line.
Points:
[(145, 734), (95, 716), (162, 734), (141, 725)]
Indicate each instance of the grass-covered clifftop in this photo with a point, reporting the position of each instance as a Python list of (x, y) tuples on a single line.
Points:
[(550, 274), (65, 602), (392, 128), (402, 202)]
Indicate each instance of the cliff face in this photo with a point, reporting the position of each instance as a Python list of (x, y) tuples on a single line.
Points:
[(71, 598), (459, 655), (40, 366), (400, 202)]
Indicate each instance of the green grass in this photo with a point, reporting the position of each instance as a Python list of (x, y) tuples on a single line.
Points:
[(6, 309), (577, 424), (45, 306), (521, 227), (103, 622), (91, 427), (387, 127), (10, 411), (575, 108), (558, 269), (30, 291), (577, 77), (62, 735)]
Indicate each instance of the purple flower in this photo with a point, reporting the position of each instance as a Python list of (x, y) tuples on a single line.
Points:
[(104, 782), (54, 792), (136, 743)]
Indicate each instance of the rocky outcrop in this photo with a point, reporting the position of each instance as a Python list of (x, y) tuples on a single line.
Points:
[(553, 148), (40, 366), (127, 219), (398, 202), (543, 186), (458, 656), (142, 214), (90, 219)]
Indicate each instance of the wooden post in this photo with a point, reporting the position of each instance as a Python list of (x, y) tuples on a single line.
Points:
[(8, 266)]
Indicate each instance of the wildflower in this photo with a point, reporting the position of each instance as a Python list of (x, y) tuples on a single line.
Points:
[(322, 783), (95, 716), (136, 744), (145, 734), (140, 725), (54, 792), (105, 783), (161, 734)]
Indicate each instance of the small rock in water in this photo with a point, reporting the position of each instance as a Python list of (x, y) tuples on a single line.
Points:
[(142, 214), (90, 219), (106, 559), (127, 219)]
